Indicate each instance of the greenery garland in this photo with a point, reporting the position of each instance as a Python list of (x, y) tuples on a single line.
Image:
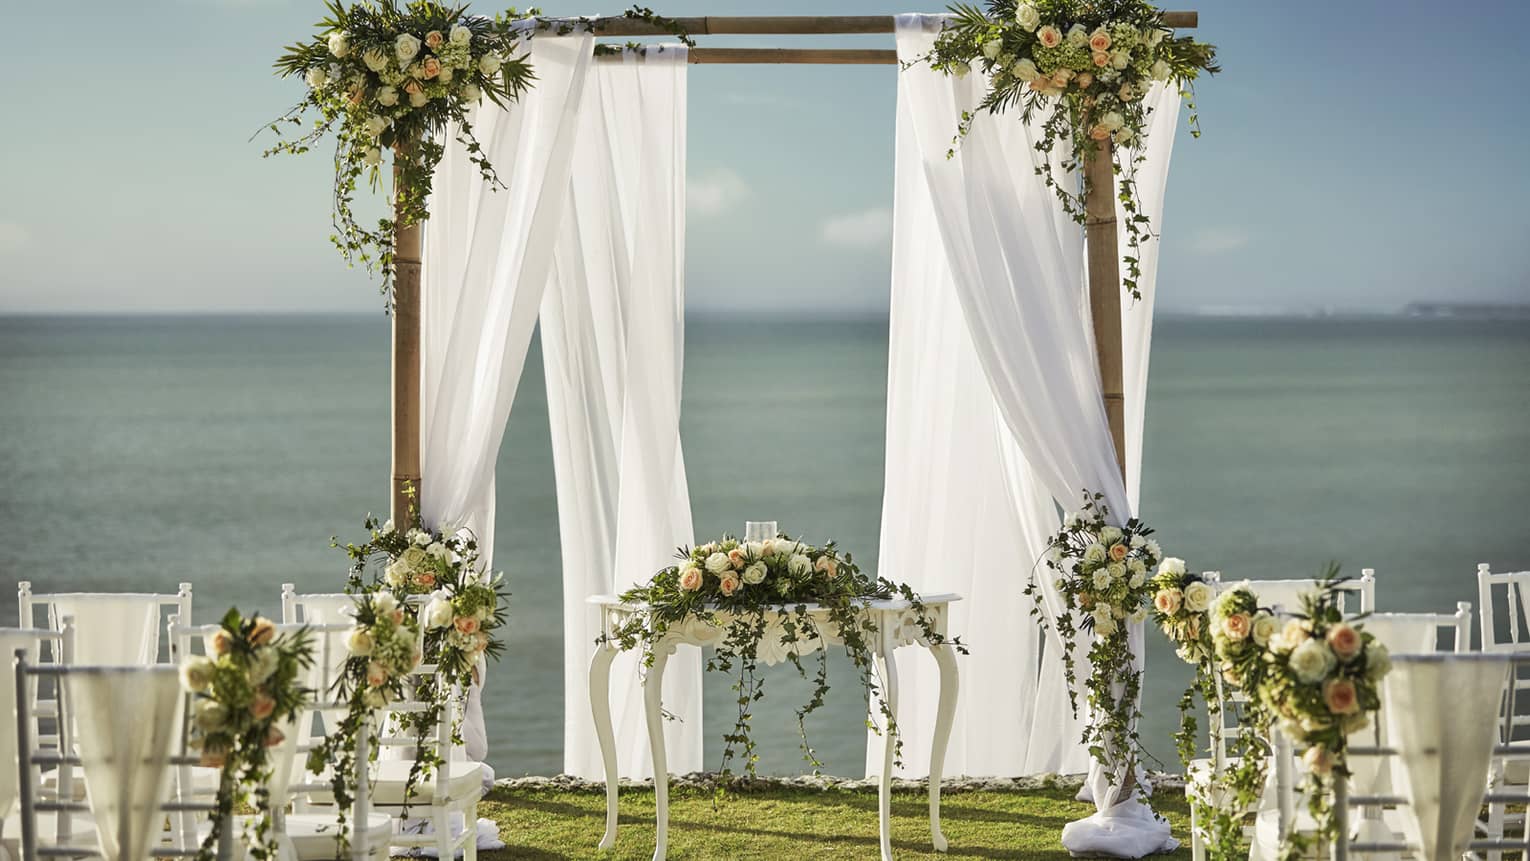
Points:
[(761, 594), (413, 588), (1240, 634), (242, 692), (1102, 582), (1085, 65)]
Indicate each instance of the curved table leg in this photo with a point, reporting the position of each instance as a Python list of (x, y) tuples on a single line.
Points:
[(653, 694), (600, 709), (950, 684), (889, 745)]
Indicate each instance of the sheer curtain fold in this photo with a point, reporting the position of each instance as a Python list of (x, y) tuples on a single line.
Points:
[(613, 339), (995, 415), (126, 762)]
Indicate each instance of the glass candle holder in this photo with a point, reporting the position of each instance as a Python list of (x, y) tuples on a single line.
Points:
[(759, 530)]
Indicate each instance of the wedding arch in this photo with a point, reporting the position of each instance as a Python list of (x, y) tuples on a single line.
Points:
[(1007, 323)]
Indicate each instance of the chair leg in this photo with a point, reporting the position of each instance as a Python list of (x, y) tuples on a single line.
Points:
[(441, 819), (1197, 848), (470, 823)]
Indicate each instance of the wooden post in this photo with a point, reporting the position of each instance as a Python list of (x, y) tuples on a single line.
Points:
[(1105, 289), (406, 363)]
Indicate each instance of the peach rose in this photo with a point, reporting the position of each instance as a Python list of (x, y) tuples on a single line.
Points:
[(1041, 85), (430, 68), (1193, 627), (262, 706), (728, 583), (736, 556), (1099, 41), (466, 624), (1099, 132), (1340, 696), (1236, 626), (1293, 634), (1118, 552), (690, 579), (274, 737), (412, 87), (397, 616), (827, 565), (480, 641), (262, 632), (1167, 601), (1061, 77), (1100, 59), (1345, 641), (1083, 80), (433, 39), (222, 643), (1319, 761), (1049, 36), (377, 674), (425, 580), (1230, 674)]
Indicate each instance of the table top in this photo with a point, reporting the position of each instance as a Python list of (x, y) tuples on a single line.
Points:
[(615, 602)]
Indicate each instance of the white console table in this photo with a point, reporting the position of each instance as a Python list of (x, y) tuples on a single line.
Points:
[(896, 626)]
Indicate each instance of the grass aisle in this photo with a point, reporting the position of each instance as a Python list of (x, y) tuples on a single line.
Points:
[(780, 824)]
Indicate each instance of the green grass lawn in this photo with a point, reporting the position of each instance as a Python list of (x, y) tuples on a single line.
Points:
[(781, 824)]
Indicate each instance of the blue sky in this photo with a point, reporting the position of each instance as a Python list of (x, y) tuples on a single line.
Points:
[(1358, 154)]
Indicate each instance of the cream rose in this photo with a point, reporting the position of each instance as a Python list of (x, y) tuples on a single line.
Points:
[(1027, 17), (1118, 551), (471, 93), (1104, 621), (434, 39), (1024, 69), (1263, 629), (690, 579), (1101, 580), (376, 59), (265, 665), (1345, 642), (1078, 37), (718, 562), (489, 63), (1378, 661), (316, 78), (1049, 36), (1119, 60), (1094, 554), (418, 99), (1136, 580), (991, 49), (799, 564), (1113, 121), (755, 573), (1173, 566), (377, 674), (960, 70), (438, 613), (1318, 760), (405, 47), (1312, 660), (1340, 697), (340, 43), (375, 127), (1110, 534), (197, 674), (1236, 626), (359, 642), (1198, 597), (1161, 71), (210, 716), (461, 35), (1167, 601)]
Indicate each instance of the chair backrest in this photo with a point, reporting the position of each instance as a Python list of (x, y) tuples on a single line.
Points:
[(121, 628), (12, 640), (315, 607), (1503, 609), (1355, 596)]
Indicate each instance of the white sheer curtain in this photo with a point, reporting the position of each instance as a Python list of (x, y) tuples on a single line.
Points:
[(110, 630), (988, 264), (613, 333), (126, 762), (488, 252)]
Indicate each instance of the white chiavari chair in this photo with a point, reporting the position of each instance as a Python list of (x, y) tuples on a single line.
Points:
[(117, 628), (1505, 619), (31, 641)]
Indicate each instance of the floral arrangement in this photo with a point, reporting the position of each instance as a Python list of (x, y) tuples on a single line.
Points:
[(1323, 675), (1085, 65), (1102, 582), (243, 690), (742, 586), (1180, 604), (422, 596), (384, 75)]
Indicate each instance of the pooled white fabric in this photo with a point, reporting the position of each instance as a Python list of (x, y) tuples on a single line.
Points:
[(11, 640), (110, 630), (613, 334), (125, 761), (1443, 718)]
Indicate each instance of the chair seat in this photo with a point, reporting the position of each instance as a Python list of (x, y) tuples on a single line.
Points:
[(464, 780), (313, 835), (81, 827)]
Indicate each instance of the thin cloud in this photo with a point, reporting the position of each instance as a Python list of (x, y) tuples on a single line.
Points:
[(1219, 240), (862, 229), (715, 191), (14, 237)]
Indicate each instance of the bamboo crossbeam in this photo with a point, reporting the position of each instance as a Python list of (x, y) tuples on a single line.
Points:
[(789, 56), (791, 25)]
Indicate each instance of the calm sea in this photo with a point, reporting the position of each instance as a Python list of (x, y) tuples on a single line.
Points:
[(139, 452)]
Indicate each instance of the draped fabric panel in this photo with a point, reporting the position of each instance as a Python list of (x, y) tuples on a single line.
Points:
[(613, 338), (123, 629)]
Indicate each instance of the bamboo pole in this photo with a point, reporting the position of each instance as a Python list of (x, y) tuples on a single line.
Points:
[(789, 25), (1105, 289), (406, 361)]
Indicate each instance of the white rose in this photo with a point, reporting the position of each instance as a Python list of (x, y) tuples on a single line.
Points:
[(1120, 59), (1378, 661), (1102, 579), (1077, 36), (340, 43), (1025, 70), (406, 46), (445, 75), (1264, 628), (1113, 120), (387, 527), (1094, 553), (210, 716), (960, 70), (1139, 614), (1110, 535), (471, 94), (1125, 136), (373, 156), (418, 100), (1074, 519), (359, 642), (1137, 580), (1161, 71), (489, 64), (387, 97), (1198, 597), (422, 538), (1312, 660), (1117, 570), (384, 602), (1153, 549), (397, 572), (1138, 542), (1136, 567), (799, 564), (316, 78), (461, 35), (1173, 566), (718, 563), (1027, 17), (197, 674), (438, 613), (375, 698), (754, 573), (1104, 621), (375, 127), (375, 59), (992, 48)]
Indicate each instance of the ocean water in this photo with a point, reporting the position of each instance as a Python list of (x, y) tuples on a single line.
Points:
[(136, 453)]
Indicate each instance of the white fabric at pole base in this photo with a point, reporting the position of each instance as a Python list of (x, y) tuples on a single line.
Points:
[(1443, 718), (1129, 830)]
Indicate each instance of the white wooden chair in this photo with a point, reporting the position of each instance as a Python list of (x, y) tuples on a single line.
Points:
[(31, 641), (123, 627), (1505, 618), (452, 791), (300, 836)]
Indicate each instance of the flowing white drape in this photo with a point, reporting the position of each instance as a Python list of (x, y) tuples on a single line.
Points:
[(488, 252), (125, 762), (992, 361), (111, 630), (613, 333)]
